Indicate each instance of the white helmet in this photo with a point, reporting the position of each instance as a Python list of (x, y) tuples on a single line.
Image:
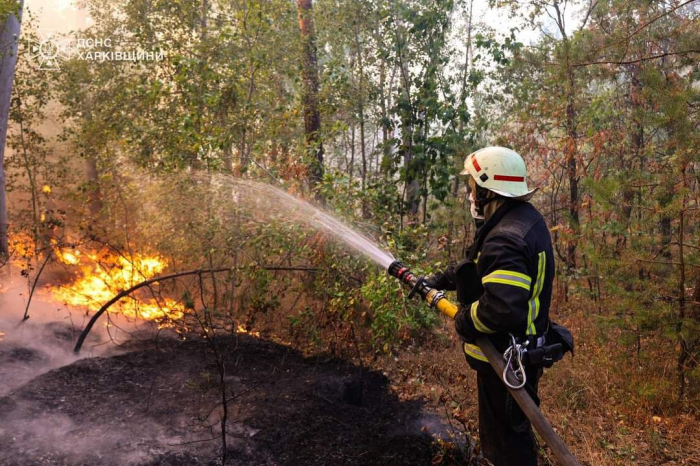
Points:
[(500, 170)]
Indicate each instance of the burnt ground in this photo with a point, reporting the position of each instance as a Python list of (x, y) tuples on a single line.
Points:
[(157, 405)]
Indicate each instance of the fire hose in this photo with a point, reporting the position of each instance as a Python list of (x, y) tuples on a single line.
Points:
[(437, 299)]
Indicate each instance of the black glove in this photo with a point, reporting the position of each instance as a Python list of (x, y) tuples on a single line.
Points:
[(464, 325), (432, 281), (443, 281)]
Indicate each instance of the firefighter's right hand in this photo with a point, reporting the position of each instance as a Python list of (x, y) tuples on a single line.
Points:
[(433, 281), (443, 280)]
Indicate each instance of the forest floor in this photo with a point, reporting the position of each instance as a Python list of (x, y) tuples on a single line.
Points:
[(610, 405), (154, 404)]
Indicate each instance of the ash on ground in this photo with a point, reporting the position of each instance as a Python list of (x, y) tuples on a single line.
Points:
[(157, 405)]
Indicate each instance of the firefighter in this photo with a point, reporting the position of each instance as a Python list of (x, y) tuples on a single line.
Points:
[(504, 289)]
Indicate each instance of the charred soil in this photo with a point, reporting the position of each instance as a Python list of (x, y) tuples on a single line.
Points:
[(157, 405)]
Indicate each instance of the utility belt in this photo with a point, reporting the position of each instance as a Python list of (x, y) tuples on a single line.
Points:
[(542, 351), (538, 353), (546, 349)]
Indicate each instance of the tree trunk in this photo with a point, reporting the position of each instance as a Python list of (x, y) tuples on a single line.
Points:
[(386, 150), (361, 111), (312, 116), (203, 20), (571, 149), (412, 198), (572, 172), (8, 49), (194, 156), (411, 191), (94, 194), (637, 146), (29, 167), (460, 127), (351, 167), (684, 352)]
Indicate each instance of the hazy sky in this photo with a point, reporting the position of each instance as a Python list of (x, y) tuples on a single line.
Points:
[(63, 16), (60, 15)]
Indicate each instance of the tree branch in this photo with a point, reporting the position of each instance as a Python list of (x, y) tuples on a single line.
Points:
[(656, 18), (639, 60), (36, 280), (171, 276)]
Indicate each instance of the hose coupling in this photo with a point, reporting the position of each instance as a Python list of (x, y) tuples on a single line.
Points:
[(433, 297)]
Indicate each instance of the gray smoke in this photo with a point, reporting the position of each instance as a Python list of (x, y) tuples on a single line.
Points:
[(33, 424)]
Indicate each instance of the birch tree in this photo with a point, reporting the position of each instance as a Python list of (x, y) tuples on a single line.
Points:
[(8, 49)]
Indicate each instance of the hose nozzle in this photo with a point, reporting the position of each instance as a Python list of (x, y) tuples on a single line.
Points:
[(402, 272), (398, 270), (434, 298)]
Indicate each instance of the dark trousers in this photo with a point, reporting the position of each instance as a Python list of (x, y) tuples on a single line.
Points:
[(505, 433)]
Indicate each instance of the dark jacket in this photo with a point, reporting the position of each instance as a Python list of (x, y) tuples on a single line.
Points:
[(505, 285)]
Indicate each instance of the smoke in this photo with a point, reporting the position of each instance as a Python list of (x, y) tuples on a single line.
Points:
[(36, 422), (35, 346), (435, 426), (58, 438), (45, 341)]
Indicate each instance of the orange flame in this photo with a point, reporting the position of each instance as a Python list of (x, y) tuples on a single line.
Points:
[(106, 275), (242, 329), (21, 245), (66, 255), (101, 276)]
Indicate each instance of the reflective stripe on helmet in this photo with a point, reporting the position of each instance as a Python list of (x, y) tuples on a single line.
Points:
[(476, 164), (518, 179)]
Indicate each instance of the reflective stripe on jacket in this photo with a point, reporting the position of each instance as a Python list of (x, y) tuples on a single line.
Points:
[(515, 263)]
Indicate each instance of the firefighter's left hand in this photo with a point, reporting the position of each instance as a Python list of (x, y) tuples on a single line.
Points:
[(464, 325)]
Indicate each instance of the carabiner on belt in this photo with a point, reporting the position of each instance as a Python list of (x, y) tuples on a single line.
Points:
[(513, 356)]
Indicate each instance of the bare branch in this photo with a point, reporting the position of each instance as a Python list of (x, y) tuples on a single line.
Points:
[(128, 291), (36, 280), (639, 60)]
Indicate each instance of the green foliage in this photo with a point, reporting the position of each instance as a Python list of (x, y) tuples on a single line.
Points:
[(609, 133), (393, 318), (34, 178), (265, 297), (304, 325)]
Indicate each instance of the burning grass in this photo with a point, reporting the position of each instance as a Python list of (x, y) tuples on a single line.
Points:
[(97, 275), (104, 274), (22, 246)]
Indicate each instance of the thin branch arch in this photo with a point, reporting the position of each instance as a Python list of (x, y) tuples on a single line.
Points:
[(122, 294)]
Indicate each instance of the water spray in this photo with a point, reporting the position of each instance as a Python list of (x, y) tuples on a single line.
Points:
[(437, 299), (270, 204)]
